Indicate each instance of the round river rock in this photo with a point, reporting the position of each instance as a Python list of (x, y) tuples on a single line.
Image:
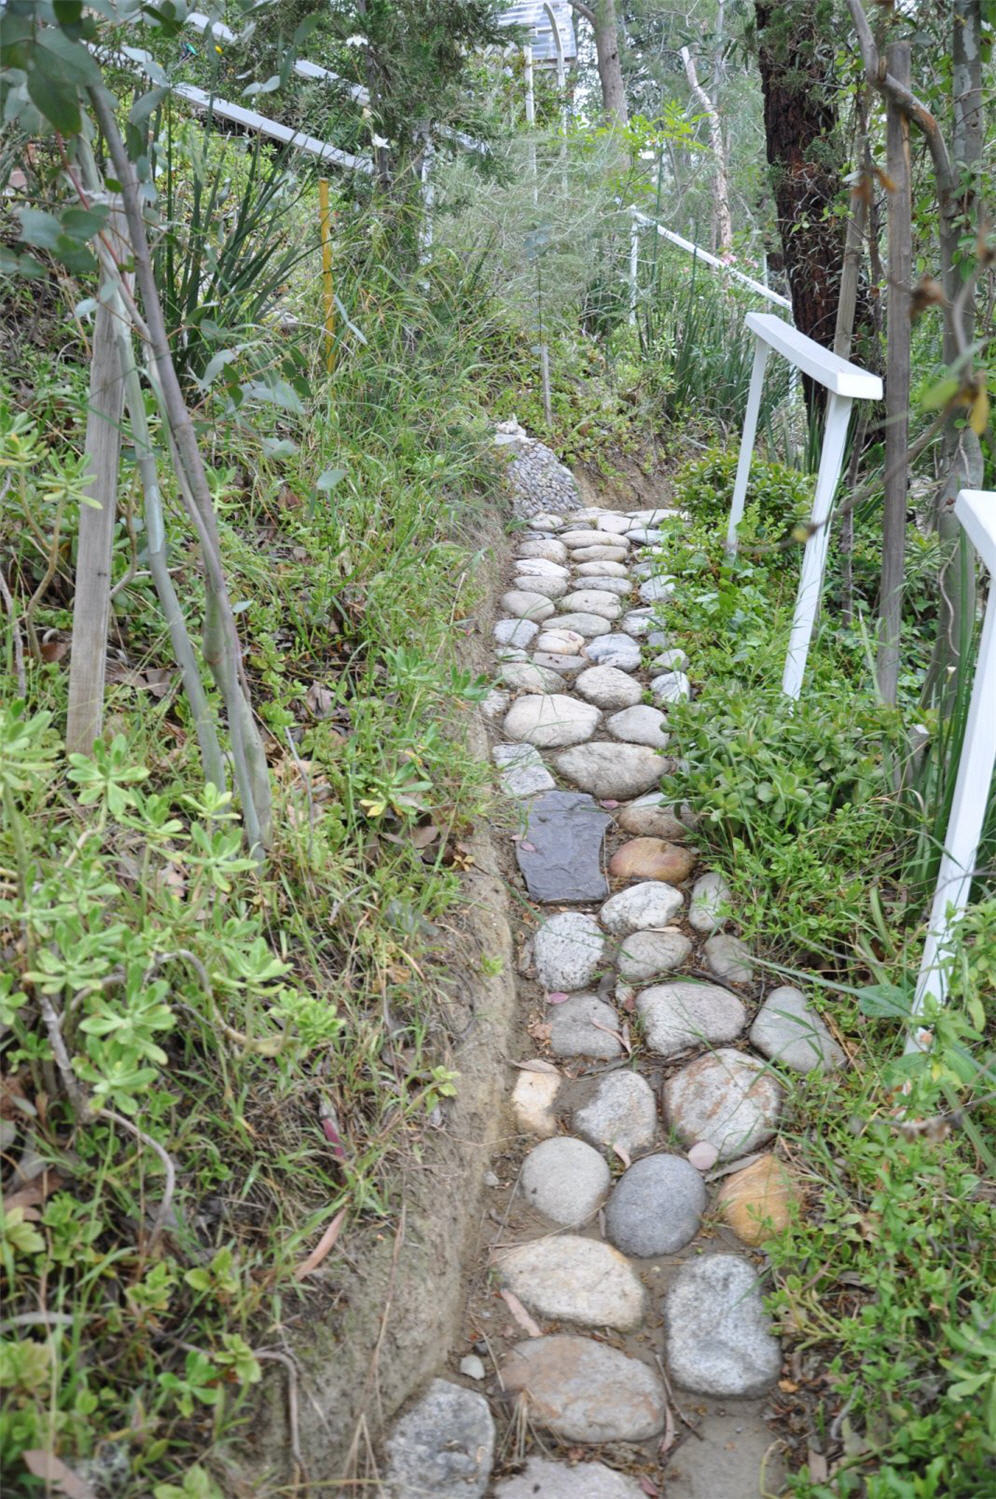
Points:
[(728, 1099), (719, 1339), (571, 1279), (565, 1180), (656, 1206), (585, 1391)]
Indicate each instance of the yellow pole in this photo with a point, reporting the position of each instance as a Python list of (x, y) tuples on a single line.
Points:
[(323, 204)]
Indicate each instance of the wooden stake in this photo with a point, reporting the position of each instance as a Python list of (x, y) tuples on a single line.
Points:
[(326, 221), (92, 598)]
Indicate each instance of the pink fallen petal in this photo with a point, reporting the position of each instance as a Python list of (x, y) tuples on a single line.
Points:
[(557, 997), (609, 805), (703, 1155), (527, 848)]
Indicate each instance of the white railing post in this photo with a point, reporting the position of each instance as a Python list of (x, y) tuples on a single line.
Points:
[(814, 558), (976, 509), (761, 352), (844, 383)]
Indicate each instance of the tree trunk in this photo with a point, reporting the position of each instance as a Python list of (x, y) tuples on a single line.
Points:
[(601, 17), (897, 381), (795, 58), (722, 221)]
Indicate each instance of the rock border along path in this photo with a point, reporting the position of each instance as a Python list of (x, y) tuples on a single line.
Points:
[(586, 674)]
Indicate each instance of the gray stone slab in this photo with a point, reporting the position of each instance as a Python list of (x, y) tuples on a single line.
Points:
[(788, 1031), (572, 1279), (585, 1026), (543, 1479), (442, 1448), (586, 1391), (560, 853), (522, 770), (621, 1111), (719, 1339)]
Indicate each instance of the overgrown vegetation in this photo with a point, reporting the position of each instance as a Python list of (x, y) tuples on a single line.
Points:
[(213, 1066), (820, 816)]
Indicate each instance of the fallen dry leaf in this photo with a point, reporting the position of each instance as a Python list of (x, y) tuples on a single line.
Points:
[(36, 1191), (521, 1315), (537, 1064), (319, 700), (322, 1248), (55, 1473), (623, 1155)]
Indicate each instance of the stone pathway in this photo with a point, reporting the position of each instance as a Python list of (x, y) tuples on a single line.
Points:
[(628, 1253)]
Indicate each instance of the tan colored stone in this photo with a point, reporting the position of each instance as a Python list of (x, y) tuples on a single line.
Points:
[(652, 859), (532, 1103), (758, 1201), (649, 816)]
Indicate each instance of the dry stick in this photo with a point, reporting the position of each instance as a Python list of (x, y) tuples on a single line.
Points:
[(162, 1212), (155, 531), (292, 1418), (222, 648), (5, 594)]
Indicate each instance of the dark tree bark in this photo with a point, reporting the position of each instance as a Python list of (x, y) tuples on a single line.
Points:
[(601, 17), (795, 58)]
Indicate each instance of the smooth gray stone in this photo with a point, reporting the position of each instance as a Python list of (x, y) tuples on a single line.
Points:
[(726, 1098), (522, 770), (580, 555), (616, 650), (569, 950), (550, 720), (622, 1110), (585, 1026), (586, 1391), (656, 589), (527, 604), (545, 548), (637, 622), (581, 539), (710, 903), (565, 666), (592, 601), (686, 1013), (565, 1180), (443, 1448), (526, 676), (560, 853), (573, 1279), (608, 569), (728, 958), (788, 1031), (645, 954), (656, 1206), (542, 567), (672, 659), (608, 688), (610, 770), (587, 625), (544, 1479), (670, 687), (516, 632), (639, 724), (551, 588), (638, 908), (608, 584), (719, 1339)]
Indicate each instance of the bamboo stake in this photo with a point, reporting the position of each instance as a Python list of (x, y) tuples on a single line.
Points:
[(327, 283)]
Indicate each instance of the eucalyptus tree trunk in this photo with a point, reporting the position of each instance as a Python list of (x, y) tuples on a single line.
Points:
[(961, 451), (601, 17), (796, 60), (897, 381), (721, 217)]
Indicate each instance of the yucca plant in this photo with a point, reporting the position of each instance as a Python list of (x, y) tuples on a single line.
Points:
[(233, 234)]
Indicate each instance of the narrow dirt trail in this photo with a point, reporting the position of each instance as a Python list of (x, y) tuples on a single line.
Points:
[(616, 1343)]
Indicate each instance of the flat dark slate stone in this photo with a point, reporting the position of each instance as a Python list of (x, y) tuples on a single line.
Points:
[(560, 853)]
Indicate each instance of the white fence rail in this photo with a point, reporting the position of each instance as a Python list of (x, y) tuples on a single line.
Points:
[(640, 221), (976, 509), (844, 383)]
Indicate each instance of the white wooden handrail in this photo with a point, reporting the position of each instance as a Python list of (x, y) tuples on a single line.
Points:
[(644, 222), (976, 510), (844, 383)]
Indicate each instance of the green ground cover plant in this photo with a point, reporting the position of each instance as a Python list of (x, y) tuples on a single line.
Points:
[(815, 813), (207, 1063)]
